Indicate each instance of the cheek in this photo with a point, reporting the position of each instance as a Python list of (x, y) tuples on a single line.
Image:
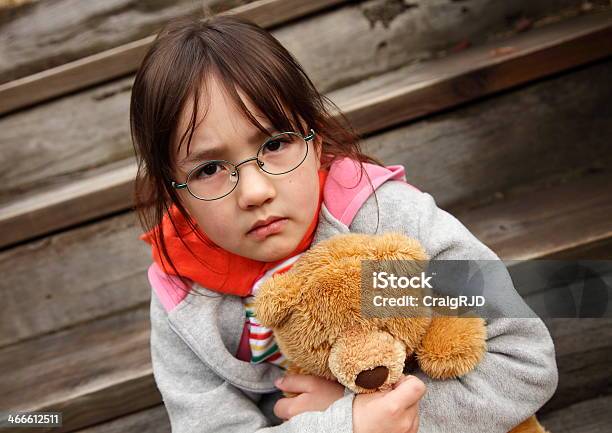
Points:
[(212, 221), (303, 189)]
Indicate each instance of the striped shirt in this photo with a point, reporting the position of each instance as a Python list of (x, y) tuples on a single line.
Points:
[(261, 339)]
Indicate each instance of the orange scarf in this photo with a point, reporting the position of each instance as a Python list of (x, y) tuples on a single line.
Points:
[(211, 266)]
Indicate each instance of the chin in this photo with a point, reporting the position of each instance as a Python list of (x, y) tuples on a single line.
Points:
[(275, 250)]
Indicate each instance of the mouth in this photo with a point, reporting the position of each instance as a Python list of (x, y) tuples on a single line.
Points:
[(267, 227)]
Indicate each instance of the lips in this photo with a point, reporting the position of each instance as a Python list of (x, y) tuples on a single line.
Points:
[(265, 222), (262, 232)]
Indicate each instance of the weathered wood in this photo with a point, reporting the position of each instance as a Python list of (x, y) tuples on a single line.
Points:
[(153, 420), (42, 35), (106, 144), (590, 416), (455, 26), (545, 222), (480, 72), (584, 351), (72, 277), (72, 202), (125, 59), (525, 137), (93, 131), (90, 373), (473, 151), (110, 371)]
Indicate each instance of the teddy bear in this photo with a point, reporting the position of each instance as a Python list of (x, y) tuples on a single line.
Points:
[(315, 312)]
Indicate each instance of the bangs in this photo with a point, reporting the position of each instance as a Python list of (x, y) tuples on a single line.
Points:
[(261, 89)]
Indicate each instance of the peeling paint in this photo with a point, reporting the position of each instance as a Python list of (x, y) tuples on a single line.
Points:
[(386, 11)]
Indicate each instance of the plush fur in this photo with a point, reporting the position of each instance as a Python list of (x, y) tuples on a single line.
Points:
[(314, 310)]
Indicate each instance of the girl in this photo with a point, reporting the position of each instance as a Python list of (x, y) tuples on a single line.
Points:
[(242, 168)]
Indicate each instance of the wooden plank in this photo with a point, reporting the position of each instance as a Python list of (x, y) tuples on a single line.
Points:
[(482, 71), (547, 222), (42, 35), (73, 277), (476, 150), (530, 136), (457, 23), (13, 220), (75, 202), (90, 373), (584, 349), (153, 420), (590, 416), (125, 59)]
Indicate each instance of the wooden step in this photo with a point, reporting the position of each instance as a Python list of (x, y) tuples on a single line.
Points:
[(584, 349), (152, 420), (528, 136), (90, 373), (109, 358), (590, 416), (48, 146), (377, 104), (552, 223), (82, 274), (124, 59), (456, 26)]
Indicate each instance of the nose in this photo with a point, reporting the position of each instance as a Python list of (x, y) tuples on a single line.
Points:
[(372, 379), (255, 187)]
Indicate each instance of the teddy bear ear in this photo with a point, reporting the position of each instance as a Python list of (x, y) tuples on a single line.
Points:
[(276, 298)]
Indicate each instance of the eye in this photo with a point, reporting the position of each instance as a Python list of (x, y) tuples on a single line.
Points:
[(208, 170), (276, 145)]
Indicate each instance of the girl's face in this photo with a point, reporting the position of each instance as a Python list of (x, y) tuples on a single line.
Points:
[(228, 221)]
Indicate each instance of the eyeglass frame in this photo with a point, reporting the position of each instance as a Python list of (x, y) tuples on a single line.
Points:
[(184, 185)]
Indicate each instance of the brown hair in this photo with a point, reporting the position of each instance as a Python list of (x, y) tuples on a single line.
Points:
[(240, 53)]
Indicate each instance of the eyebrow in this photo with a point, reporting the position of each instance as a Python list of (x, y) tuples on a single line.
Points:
[(212, 152)]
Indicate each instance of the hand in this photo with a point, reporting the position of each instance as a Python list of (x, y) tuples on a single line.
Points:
[(393, 411), (315, 394)]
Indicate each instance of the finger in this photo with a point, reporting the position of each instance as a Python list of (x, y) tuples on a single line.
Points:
[(286, 408), (282, 408), (298, 383), (406, 394)]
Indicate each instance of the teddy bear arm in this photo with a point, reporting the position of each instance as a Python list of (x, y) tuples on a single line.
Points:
[(452, 346)]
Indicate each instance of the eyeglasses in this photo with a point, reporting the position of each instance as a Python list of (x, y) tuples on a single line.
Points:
[(279, 154)]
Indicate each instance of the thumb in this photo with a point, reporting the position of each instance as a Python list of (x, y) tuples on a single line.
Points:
[(402, 379), (407, 391)]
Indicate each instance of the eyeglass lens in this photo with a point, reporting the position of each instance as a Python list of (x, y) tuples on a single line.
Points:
[(278, 155)]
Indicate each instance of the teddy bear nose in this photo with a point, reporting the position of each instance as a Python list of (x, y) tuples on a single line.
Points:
[(371, 379)]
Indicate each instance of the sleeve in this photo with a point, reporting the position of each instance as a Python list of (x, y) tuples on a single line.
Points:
[(199, 401), (518, 373)]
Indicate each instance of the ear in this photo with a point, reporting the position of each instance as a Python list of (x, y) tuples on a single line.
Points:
[(276, 299)]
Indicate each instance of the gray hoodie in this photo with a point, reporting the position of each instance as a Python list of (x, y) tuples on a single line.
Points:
[(205, 388)]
